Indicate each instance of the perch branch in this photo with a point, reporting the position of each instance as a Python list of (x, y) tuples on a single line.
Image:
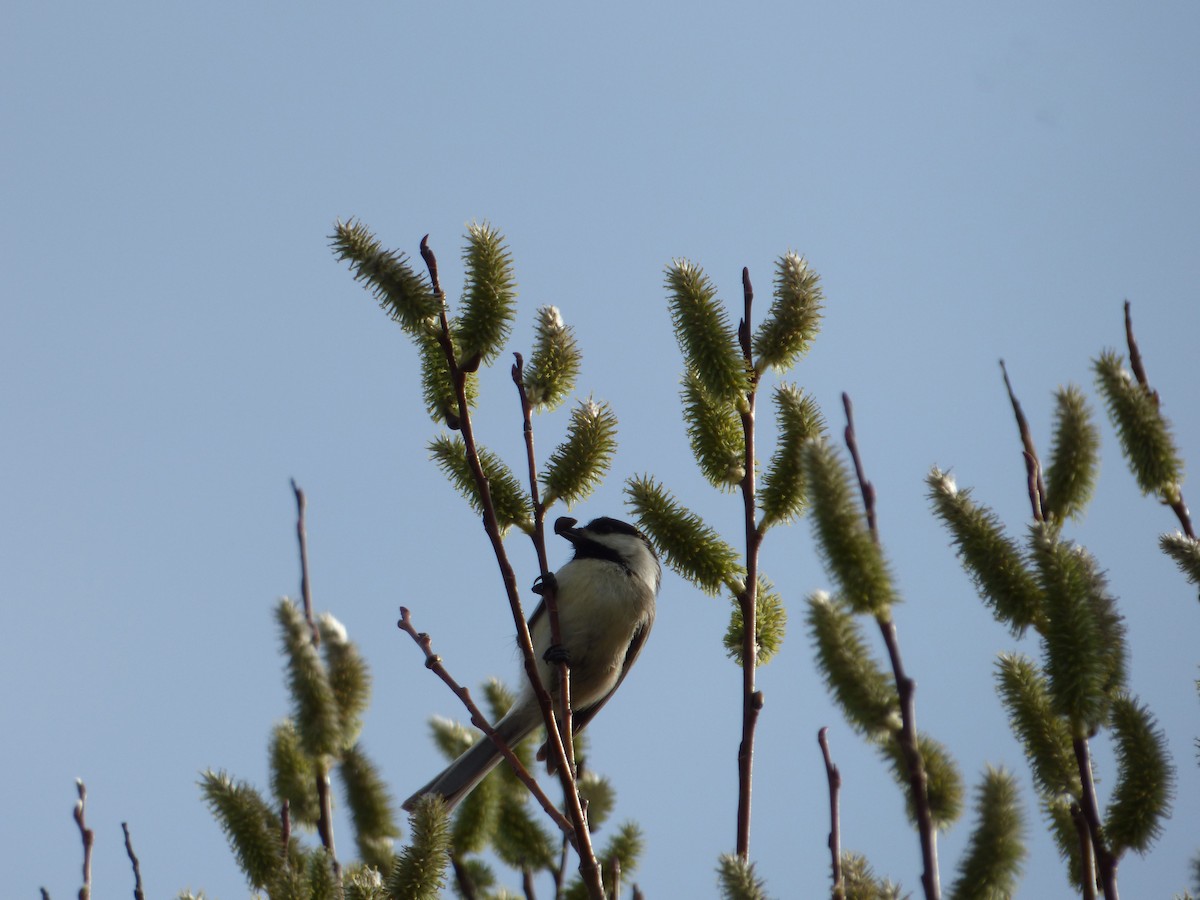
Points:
[(433, 662)]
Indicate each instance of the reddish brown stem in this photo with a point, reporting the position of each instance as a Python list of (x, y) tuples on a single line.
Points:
[(305, 585), (549, 591), (433, 662), (835, 839), (1106, 860), (1087, 859), (752, 698), (88, 837), (1178, 506), (906, 688), (1033, 467), (138, 892), (577, 827)]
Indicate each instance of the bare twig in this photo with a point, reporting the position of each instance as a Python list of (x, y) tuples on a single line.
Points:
[(462, 878), (547, 588), (1135, 355), (1178, 506), (560, 871), (431, 265), (752, 698), (578, 831), (1106, 860), (285, 829), (433, 662), (616, 878), (835, 838), (325, 820), (138, 893), (1087, 859), (305, 585), (324, 789), (865, 487), (906, 688), (1033, 468), (1033, 480), (527, 884), (87, 835)]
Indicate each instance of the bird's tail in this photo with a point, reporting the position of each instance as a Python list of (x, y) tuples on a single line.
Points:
[(460, 777)]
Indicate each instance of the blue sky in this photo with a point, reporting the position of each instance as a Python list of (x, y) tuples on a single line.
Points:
[(972, 183)]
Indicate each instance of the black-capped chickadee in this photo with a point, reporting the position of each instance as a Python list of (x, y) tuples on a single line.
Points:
[(605, 598)]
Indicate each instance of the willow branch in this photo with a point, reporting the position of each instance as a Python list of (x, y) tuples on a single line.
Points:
[(1087, 859), (1135, 354), (138, 893), (835, 837), (752, 699), (1033, 468), (581, 838), (87, 836), (324, 789), (285, 829), (433, 662), (548, 588), (1106, 861), (906, 688), (462, 878), (305, 585), (1178, 506)]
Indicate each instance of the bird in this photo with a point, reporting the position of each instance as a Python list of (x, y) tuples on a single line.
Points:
[(605, 595)]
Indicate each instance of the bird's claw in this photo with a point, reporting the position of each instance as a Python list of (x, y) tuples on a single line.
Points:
[(557, 653), (544, 583)]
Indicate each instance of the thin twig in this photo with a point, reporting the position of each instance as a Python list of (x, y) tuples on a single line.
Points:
[(560, 872), (1033, 478), (87, 835), (431, 265), (1178, 506), (548, 588), (1087, 859), (835, 839), (1033, 467), (616, 878), (527, 884), (324, 789), (138, 893), (906, 688), (1106, 861), (285, 829), (1135, 355), (433, 662), (305, 584), (462, 878), (864, 485), (752, 698), (578, 832), (325, 821)]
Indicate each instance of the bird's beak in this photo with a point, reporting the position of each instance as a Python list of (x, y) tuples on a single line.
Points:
[(564, 527)]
